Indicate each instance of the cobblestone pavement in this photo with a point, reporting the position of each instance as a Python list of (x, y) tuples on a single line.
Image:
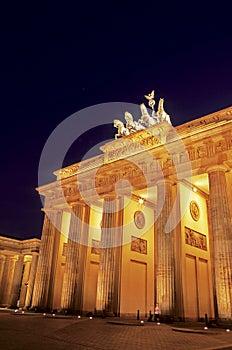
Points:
[(24, 332)]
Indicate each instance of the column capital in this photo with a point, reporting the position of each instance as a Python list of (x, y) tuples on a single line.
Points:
[(51, 210), (77, 204), (165, 181), (109, 197), (214, 168)]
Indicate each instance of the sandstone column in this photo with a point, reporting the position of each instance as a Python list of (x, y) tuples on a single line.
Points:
[(43, 275), (165, 294), (71, 271), (222, 240), (4, 262), (2, 266), (25, 280), (31, 280), (17, 280), (7, 280), (107, 266)]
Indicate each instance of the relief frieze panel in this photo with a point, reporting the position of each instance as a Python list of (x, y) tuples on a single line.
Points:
[(96, 247), (138, 245), (208, 149), (195, 239)]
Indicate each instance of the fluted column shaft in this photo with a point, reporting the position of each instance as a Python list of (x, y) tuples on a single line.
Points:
[(43, 275), (17, 280), (7, 280), (72, 258), (25, 279), (106, 274), (2, 266), (3, 285), (222, 240), (165, 250), (31, 280)]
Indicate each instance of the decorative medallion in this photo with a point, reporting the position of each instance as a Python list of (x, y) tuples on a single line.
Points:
[(139, 219), (194, 210)]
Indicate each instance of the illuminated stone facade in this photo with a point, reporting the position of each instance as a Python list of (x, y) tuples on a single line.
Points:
[(146, 222), (18, 264)]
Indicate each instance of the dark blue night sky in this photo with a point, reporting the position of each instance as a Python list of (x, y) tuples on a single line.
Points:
[(56, 60)]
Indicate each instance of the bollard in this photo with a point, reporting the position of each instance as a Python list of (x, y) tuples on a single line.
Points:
[(150, 317), (138, 315)]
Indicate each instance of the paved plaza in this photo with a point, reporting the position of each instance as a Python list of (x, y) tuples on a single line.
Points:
[(34, 331)]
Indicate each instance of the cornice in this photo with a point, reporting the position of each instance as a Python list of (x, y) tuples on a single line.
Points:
[(221, 116)]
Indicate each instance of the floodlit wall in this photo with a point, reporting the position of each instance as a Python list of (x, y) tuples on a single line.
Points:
[(137, 271), (196, 265), (92, 260)]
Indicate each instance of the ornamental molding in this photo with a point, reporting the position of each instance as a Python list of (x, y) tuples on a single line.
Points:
[(136, 143), (220, 117), (107, 175)]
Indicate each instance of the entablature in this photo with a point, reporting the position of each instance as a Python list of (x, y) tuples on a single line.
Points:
[(142, 157)]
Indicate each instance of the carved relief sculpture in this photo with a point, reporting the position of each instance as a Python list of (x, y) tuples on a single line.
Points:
[(146, 120), (195, 239), (138, 245)]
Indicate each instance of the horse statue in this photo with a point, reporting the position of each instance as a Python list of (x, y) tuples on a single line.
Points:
[(146, 120), (162, 115), (122, 130), (131, 124)]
